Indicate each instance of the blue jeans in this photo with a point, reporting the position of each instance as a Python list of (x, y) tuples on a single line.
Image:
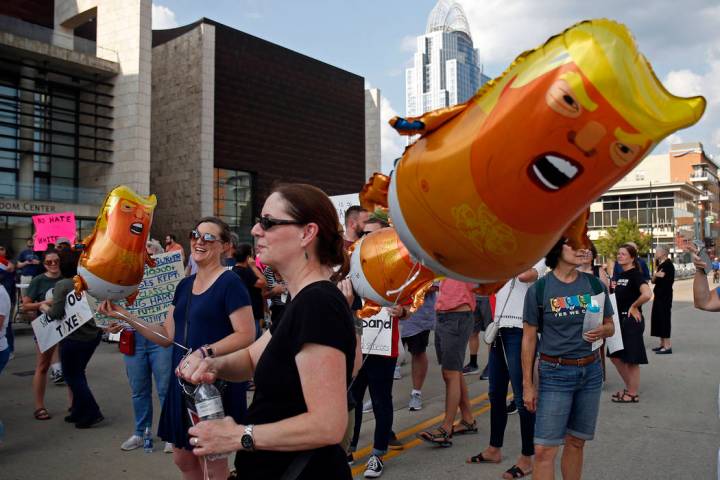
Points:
[(74, 356), (377, 375), (4, 357), (501, 372), (149, 359), (568, 402)]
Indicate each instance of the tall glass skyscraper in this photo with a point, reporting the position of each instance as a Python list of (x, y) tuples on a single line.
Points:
[(445, 70)]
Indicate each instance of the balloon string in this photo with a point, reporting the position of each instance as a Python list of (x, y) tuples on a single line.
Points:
[(153, 331), (411, 276)]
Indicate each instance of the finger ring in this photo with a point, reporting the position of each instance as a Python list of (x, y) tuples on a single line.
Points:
[(194, 441), (186, 364)]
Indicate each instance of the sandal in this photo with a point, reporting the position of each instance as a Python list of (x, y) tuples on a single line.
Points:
[(468, 428), (479, 458), (41, 414), (439, 438), (630, 398), (619, 394), (516, 472)]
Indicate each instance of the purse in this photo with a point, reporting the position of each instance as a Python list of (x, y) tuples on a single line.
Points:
[(494, 327), (127, 341)]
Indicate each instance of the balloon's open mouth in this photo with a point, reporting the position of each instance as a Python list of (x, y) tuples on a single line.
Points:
[(136, 228), (552, 171)]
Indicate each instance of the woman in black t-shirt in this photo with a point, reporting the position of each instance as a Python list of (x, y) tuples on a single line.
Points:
[(253, 279), (302, 366), (663, 278), (631, 292)]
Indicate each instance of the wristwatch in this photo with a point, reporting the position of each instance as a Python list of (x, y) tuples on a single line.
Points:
[(208, 351), (247, 440)]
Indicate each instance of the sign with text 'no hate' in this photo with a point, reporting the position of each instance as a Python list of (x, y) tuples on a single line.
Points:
[(48, 228)]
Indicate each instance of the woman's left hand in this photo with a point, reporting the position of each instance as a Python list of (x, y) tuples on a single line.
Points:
[(635, 313), (215, 436), (188, 364)]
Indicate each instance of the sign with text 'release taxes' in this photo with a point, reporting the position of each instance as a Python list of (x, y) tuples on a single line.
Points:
[(49, 332), (48, 228)]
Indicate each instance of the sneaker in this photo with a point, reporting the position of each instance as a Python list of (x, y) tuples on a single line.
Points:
[(512, 408), (169, 447), (485, 375), (397, 375), (57, 377), (374, 467), (89, 423), (132, 443), (415, 402), (470, 369), (350, 459), (367, 406)]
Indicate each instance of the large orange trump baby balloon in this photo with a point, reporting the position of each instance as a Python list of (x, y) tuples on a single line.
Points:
[(493, 183), (383, 273), (113, 262)]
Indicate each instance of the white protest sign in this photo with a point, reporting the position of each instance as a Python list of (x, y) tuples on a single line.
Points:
[(49, 332), (157, 289), (377, 334), (343, 202), (615, 342)]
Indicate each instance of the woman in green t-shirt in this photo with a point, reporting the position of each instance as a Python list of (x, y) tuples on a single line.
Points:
[(33, 299)]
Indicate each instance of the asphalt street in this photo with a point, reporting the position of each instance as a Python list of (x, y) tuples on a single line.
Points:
[(671, 434)]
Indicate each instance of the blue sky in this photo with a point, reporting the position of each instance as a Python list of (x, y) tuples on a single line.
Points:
[(375, 39)]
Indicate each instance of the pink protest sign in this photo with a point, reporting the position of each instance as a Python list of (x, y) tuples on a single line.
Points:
[(48, 228)]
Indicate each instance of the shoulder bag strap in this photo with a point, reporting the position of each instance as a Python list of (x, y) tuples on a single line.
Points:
[(297, 466), (187, 312), (540, 301)]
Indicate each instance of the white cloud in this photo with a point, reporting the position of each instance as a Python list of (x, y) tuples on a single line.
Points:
[(408, 43), (163, 18), (682, 40), (392, 145)]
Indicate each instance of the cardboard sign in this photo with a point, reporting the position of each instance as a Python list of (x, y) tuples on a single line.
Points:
[(49, 332), (157, 289), (615, 342), (377, 337), (48, 228)]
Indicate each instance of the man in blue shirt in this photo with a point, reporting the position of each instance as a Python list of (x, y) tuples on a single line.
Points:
[(28, 262)]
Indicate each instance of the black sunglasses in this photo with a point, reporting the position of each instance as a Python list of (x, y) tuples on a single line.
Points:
[(207, 237), (266, 223)]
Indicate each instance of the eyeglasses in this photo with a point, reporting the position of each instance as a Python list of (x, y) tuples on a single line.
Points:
[(51, 262), (207, 237), (266, 223), (363, 233)]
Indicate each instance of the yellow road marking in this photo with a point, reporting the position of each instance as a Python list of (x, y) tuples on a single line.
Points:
[(417, 428), (358, 469)]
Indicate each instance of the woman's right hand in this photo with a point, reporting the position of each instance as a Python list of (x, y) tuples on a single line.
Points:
[(530, 397), (197, 370), (346, 288), (112, 310)]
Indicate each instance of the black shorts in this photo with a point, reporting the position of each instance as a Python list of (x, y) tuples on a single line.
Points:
[(417, 343)]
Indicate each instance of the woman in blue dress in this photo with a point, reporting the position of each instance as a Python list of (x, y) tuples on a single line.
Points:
[(212, 315)]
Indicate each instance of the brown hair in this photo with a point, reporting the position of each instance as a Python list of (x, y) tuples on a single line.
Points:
[(633, 254), (308, 204), (224, 227)]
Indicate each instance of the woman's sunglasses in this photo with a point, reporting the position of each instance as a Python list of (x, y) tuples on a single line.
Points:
[(207, 237), (266, 223), (51, 262)]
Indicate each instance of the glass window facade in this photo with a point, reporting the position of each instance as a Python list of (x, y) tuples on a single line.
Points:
[(233, 200)]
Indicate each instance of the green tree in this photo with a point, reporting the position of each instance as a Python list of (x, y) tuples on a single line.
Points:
[(626, 231)]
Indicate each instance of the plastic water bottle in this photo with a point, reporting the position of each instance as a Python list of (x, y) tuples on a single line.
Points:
[(208, 405), (593, 317), (147, 441)]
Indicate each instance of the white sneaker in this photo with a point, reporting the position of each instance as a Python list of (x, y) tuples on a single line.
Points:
[(169, 447), (135, 441), (415, 402), (397, 375), (374, 467), (367, 406)]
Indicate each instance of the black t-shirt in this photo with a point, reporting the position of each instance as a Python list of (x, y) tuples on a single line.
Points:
[(627, 290), (664, 285), (247, 275), (318, 314)]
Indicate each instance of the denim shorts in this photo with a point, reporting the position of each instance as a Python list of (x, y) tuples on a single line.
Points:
[(452, 332), (568, 402)]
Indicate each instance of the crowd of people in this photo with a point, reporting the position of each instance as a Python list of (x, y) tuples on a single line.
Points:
[(281, 318)]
